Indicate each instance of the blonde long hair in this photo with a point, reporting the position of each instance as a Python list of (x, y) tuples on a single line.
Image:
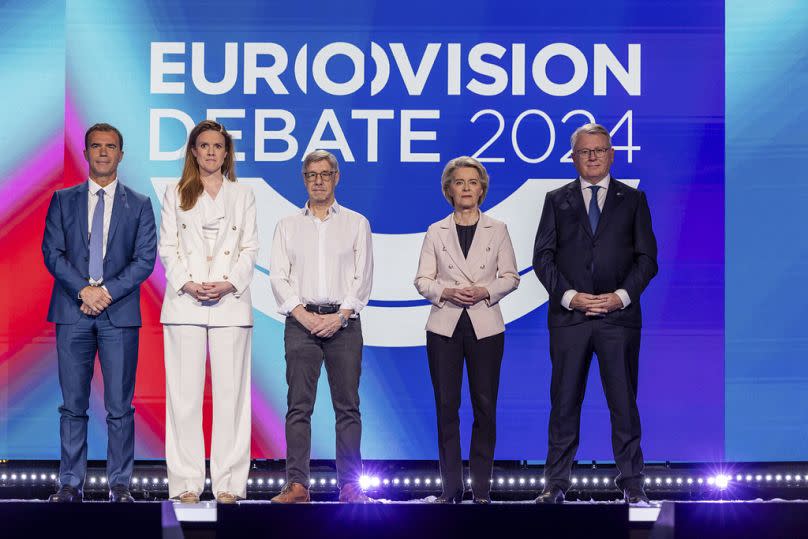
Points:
[(190, 186)]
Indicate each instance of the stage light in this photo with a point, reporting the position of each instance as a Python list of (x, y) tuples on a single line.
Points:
[(322, 481), (758, 477), (395, 481), (748, 477), (281, 481), (511, 480), (155, 480), (722, 481), (788, 477), (165, 480), (798, 477), (574, 480), (3, 477), (375, 482), (249, 481), (42, 477), (104, 480), (386, 481), (13, 477), (468, 481), (260, 481), (668, 481), (270, 481), (678, 480), (768, 477), (585, 481), (521, 480), (596, 481), (417, 481), (532, 480), (207, 481), (778, 477), (135, 480), (364, 482), (689, 480), (437, 481), (428, 481), (92, 480), (658, 480), (543, 480), (500, 481), (333, 482), (313, 481), (53, 477), (647, 480), (738, 477), (24, 477), (407, 481)]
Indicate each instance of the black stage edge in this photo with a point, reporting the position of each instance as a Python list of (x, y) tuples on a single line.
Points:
[(736, 520), (421, 521), (88, 520)]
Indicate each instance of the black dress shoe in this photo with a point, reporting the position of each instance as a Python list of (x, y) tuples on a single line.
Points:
[(457, 497), (552, 495), (482, 500), (120, 494), (636, 496), (66, 494)]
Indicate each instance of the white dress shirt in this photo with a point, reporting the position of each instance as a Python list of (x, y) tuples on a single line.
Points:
[(92, 202), (566, 299), (328, 261), (213, 214)]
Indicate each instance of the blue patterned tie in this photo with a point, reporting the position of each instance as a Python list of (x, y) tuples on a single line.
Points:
[(97, 240), (594, 209)]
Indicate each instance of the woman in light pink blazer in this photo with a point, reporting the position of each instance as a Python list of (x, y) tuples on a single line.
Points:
[(467, 266)]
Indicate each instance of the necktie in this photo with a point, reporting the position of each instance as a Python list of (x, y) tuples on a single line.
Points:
[(97, 240), (594, 209)]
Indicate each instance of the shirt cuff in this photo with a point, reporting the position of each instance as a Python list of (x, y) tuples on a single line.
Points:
[(566, 299), (623, 295), (289, 305), (351, 304)]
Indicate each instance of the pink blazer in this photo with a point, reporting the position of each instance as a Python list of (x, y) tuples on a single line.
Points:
[(491, 263)]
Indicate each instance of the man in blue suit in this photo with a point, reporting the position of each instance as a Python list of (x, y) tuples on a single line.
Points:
[(595, 253), (99, 245)]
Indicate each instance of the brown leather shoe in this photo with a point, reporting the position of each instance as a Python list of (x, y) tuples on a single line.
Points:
[(227, 497), (292, 493), (352, 493), (187, 497)]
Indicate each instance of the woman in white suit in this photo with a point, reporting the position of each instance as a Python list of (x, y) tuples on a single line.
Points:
[(208, 245), (467, 266)]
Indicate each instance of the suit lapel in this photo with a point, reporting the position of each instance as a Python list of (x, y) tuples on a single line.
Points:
[(81, 200), (482, 239), (451, 244), (228, 201), (575, 198), (614, 196), (119, 206)]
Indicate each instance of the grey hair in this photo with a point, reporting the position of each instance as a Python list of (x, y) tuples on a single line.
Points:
[(319, 155), (459, 162), (590, 129)]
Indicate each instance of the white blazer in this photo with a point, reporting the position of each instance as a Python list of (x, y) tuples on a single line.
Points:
[(184, 255), (491, 264)]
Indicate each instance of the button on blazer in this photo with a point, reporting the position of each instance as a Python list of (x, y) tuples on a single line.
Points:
[(491, 264)]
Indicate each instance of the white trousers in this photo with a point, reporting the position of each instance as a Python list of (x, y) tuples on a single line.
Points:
[(186, 348)]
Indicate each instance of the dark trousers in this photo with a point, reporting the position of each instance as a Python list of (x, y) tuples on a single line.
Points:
[(77, 345), (483, 361), (618, 351), (305, 354)]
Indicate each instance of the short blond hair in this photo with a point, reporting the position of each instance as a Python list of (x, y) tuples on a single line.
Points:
[(590, 129), (460, 162)]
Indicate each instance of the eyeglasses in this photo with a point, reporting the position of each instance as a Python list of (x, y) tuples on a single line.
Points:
[(584, 153), (325, 176)]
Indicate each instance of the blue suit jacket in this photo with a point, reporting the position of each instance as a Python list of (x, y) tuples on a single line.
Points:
[(622, 253), (129, 259)]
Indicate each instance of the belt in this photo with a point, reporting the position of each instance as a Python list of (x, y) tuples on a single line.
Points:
[(322, 309)]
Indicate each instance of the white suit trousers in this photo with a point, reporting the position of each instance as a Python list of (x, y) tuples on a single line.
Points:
[(186, 348)]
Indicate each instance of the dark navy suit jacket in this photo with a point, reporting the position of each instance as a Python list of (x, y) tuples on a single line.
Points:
[(129, 258), (620, 254)]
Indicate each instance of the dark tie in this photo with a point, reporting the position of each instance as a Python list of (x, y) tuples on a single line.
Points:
[(97, 240), (594, 209)]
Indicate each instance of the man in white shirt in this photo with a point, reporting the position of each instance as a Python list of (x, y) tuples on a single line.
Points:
[(321, 270)]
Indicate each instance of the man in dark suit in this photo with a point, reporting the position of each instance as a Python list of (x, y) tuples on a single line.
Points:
[(595, 253), (99, 245)]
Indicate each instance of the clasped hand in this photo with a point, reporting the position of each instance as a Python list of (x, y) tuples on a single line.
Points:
[(321, 325), (208, 291), (465, 297), (596, 304), (94, 300)]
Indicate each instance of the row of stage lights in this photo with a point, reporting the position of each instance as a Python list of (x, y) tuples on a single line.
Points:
[(719, 481)]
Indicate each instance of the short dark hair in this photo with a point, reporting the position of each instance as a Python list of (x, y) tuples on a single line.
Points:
[(102, 127)]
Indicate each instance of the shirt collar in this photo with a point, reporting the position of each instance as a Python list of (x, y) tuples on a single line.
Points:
[(604, 182), (108, 190), (332, 210)]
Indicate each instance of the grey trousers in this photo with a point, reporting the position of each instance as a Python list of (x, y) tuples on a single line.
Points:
[(305, 354)]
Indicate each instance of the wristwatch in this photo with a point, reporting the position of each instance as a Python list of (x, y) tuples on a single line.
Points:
[(343, 322)]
